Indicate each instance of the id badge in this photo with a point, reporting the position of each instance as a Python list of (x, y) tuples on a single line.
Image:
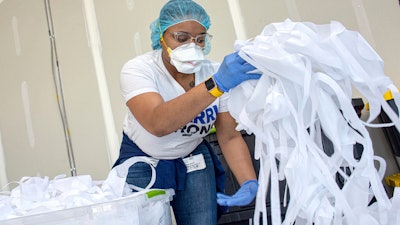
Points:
[(194, 163)]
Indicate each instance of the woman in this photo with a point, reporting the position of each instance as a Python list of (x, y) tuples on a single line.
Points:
[(175, 96)]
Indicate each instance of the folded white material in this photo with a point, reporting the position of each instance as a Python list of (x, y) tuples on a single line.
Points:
[(308, 74)]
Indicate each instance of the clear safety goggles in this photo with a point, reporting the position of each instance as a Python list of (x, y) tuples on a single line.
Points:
[(183, 37)]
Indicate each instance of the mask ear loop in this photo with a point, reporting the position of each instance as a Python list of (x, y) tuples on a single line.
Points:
[(169, 50), (166, 46)]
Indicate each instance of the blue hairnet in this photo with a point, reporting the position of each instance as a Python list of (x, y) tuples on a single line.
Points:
[(174, 12)]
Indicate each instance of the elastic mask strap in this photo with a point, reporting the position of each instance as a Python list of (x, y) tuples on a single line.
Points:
[(116, 180), (264, 178), (169, 50), (123, 170), (162, 39)]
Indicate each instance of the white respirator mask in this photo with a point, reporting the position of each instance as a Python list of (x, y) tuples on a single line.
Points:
[(187, 58)]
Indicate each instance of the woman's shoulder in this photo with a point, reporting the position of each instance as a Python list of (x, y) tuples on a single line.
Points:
[(147, 58)]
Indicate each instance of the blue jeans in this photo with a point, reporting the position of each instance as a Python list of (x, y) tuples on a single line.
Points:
[(196, 204)]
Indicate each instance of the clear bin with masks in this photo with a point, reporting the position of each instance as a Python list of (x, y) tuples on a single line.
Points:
[(146, 207)]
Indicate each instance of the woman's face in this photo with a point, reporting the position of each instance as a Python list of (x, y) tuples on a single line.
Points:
[(180, 34), (184, 33)]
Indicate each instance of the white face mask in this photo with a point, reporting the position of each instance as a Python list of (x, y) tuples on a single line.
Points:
[(187, 58)]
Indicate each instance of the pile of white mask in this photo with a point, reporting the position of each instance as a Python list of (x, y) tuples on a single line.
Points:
[(35, 195), (308, 74)]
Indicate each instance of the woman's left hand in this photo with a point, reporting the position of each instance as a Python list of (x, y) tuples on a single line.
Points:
[(244, 196)]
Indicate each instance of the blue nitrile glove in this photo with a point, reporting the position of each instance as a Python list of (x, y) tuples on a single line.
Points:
[(246, 193), (233, 71)]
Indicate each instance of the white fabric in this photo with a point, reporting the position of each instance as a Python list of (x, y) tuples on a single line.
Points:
[(147, 73), (115, 182), (308, 74), (35, 195)]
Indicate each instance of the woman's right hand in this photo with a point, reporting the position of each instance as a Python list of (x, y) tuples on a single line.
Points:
[(233, 71)]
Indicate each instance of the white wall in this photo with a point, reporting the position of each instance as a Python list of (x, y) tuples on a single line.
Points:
[(32, 138)]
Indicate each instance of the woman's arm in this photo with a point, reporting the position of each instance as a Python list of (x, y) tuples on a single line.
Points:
[(161, 118), (234, 148)]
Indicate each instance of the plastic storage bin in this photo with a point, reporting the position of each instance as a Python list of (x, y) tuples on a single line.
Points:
[(147, 207)]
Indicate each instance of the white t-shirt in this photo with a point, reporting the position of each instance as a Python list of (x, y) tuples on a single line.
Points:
[(147, 73)]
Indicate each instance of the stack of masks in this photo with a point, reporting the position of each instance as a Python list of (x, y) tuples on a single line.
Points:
[(308, 74)]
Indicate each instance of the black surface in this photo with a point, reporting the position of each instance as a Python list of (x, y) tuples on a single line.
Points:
[(391, 133)]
